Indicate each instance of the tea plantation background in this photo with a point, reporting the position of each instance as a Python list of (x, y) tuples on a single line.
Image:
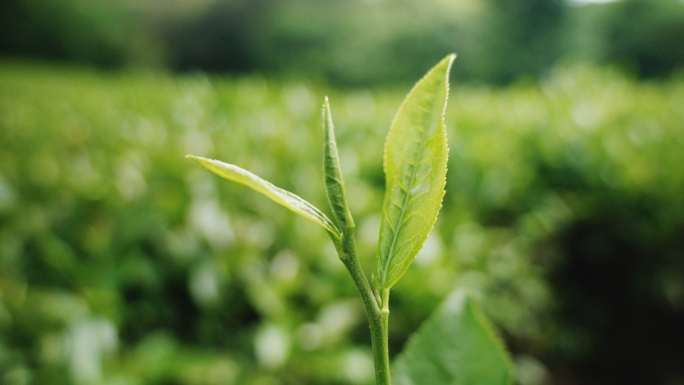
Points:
[(121, 262), (124, 263)]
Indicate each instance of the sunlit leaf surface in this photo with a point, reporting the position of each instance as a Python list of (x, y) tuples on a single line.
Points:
[(415, 170)]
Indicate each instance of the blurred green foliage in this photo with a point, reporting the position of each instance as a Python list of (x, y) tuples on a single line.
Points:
[(349, 42), (93, 32), (642, 36), (523, 38), (121, 262)]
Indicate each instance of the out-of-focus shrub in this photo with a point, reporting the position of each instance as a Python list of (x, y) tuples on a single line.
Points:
[(583, 174), (344, 42), (349, 42), (92, 32), (521, 38), (643, 37), (122, 262)]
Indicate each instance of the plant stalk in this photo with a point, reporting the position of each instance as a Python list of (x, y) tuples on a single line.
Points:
[(378, 318)]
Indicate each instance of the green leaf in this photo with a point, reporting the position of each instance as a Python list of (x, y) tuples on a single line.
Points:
[(415, 170), (455, 346), (334, 183), (278, 195)]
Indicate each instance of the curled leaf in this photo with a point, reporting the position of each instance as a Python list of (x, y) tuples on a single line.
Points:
[(276, 194), (334, 183)]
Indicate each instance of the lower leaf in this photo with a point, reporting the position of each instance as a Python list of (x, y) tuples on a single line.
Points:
[(454, 346)]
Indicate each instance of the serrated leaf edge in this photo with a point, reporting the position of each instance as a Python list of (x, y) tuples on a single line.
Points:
[(450, 58)]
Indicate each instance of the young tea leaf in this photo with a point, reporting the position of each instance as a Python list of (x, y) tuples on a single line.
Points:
[(278, 195), (415, 170), (334, 183), (455, 346)]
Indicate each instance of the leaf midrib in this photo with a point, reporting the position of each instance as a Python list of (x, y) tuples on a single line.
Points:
[(390, 256)]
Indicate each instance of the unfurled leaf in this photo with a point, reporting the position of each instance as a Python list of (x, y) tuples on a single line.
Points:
[(334, 183), (415, 170), (278, 195), (454, 346)]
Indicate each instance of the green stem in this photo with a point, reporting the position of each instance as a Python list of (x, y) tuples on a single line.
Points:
[(378, 318), (379, 339)]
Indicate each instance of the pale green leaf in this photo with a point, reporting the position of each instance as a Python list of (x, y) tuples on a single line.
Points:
[(454, 346), (415, 170), (334, 183), (278, 195)]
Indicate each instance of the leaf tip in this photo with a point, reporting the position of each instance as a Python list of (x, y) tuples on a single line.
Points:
[(197, 159), (448, 61), (326, 109)]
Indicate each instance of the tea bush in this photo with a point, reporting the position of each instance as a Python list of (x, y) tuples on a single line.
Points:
[(121, 262)]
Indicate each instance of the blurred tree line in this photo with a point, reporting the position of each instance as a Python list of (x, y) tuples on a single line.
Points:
[(349, 42)]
